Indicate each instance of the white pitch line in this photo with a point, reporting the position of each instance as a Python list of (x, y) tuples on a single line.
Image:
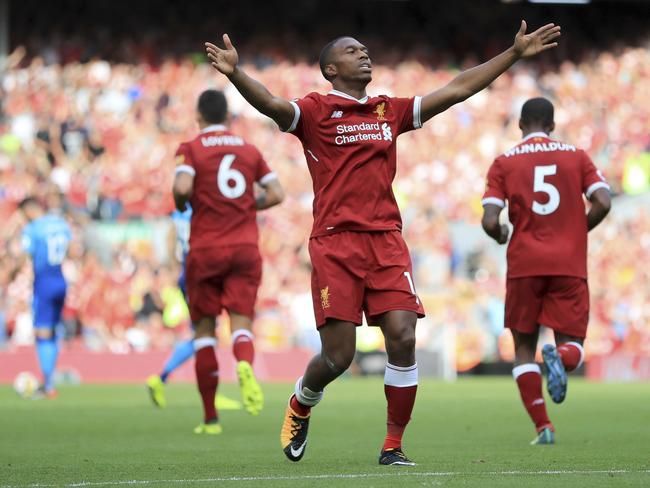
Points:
[(82, 484)]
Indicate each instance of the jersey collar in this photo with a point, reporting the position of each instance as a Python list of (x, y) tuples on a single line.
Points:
[(349, 97), (536, 134), (214, 128)]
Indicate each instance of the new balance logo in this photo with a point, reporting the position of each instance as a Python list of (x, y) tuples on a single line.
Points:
[(337, 114)]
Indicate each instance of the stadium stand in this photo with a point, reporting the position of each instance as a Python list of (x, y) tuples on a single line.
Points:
[(90, 121)]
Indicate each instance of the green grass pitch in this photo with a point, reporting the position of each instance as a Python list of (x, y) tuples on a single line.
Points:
[(471, 433)]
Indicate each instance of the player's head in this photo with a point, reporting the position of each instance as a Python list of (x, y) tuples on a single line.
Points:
[(212, 108), (347, 59), (31, 208), (537, 115)]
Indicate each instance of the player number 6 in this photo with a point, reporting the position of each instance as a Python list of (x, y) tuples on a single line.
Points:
[(540, 185), (227, 175)]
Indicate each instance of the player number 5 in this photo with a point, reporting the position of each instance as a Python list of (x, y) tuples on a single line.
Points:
[(542, 186), (227, 175)]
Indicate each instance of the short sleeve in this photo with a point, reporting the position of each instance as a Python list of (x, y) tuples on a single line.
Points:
[(495, 192), (592, 177), (407, 113), (304, 110), (263, 173), (184, 159)]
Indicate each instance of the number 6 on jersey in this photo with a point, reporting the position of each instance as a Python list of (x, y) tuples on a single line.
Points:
[(227, 174)]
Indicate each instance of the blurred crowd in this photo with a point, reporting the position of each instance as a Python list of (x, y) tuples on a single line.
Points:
[(95, 141)]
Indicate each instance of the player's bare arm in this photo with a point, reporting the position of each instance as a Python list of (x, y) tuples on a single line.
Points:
[(183, 184), (491, 226), (226, 62), (476, 79), (601, 202), (272, 195)]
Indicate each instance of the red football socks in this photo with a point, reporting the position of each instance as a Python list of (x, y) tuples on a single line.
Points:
[(242, 345), (571, 355), (207, 375), (400, 388), (529, 381), (299, 408)]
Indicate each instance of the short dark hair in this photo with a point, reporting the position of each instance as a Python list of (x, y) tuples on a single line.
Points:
[(212, 106), (325, 57), (28, 202), (537, 112)]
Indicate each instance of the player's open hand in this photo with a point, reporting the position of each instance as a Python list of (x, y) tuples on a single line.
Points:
[(223, 60), (527, 45)]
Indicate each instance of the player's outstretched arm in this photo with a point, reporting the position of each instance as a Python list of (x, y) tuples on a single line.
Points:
[(272, 195), (491, 226), (476, 79), (226, 62), (601, 202)]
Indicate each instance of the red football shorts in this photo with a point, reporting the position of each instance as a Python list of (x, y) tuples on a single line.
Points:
[(356, 272), (223, 277), (558, 302)]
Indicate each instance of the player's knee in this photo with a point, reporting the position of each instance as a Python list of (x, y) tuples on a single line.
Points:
[(402, 340), (405, 343), (339, 361), (204, 327), (43, 333)]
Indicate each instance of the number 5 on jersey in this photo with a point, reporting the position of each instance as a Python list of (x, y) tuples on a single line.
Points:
[(231, 182), (539, 185)]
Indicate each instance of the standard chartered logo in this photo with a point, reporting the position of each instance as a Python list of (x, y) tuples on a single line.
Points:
[(351, 133)]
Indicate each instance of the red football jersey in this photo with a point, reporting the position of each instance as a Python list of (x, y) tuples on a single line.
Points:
[(225, 169), (350, 147), (543, 182)]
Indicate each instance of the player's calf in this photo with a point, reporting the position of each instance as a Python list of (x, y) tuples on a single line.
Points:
[(529, 381), (207, 375), (47, 350), (400, 388), (572, 355)]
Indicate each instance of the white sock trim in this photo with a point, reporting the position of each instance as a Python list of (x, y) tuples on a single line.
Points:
[(579, 347), (401, 376), (517, 371), (202, 342), (241, 333), (305, 396)]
